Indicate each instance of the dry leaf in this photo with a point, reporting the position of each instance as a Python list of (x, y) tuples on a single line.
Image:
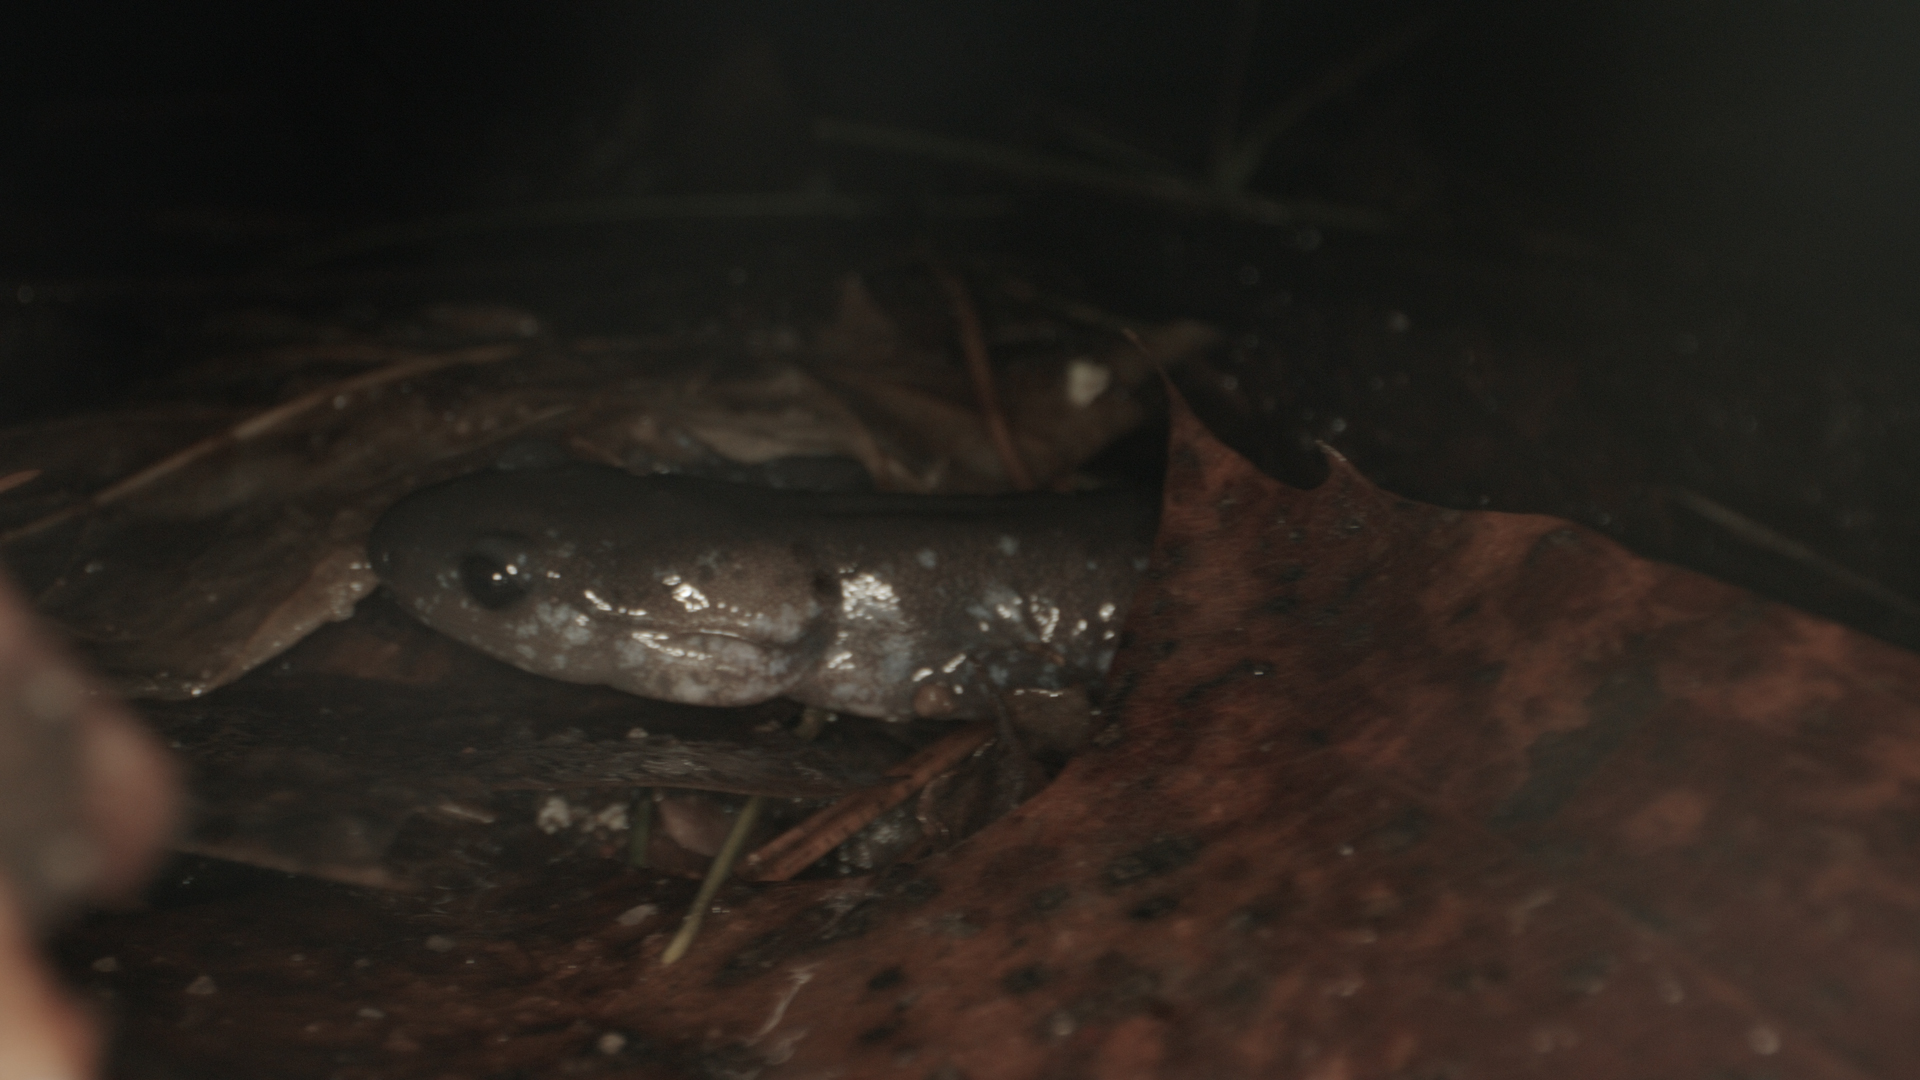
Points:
[(1392, 791)]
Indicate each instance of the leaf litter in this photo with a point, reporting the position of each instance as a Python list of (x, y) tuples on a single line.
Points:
[(1386, 789), (180, 573)]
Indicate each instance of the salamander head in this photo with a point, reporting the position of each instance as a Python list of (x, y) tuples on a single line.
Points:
[(660, 586)]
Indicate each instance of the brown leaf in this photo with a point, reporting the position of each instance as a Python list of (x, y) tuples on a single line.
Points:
[(1403, 791), (1392, 792)]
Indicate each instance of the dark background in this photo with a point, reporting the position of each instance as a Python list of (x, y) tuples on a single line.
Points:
[(1769, 130), (1643, 246)]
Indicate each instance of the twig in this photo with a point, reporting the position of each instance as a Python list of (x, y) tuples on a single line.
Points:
[(811, 721), (803, 845), (640, 829), (1133, 338), (717, 206), (716, 876), (1233, 84), (1233, 170), (257, 425), (1078, 311), (1762, 537), (1087, 136), (14, 480), (973, 343), (1048, 168)]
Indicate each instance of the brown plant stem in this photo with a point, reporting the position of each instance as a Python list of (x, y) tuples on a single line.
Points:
[(803, 845), (973, 344), (811, 721), (14, 480), (260, 424)]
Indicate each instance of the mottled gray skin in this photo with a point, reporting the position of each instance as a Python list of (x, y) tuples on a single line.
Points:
[(713, 593)]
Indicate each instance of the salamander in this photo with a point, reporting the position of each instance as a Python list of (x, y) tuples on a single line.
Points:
[(716, 593)]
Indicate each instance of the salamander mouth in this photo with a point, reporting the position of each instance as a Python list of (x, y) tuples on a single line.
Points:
[(708, 667), (705, 646)]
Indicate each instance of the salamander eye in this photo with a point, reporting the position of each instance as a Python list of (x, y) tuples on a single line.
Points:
[(497, 570)]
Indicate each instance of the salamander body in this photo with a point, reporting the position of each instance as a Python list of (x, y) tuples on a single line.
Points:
[(715, 593)]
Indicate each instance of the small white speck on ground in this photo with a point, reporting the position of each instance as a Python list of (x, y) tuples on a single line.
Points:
[(637, 914), (554, 815), (612, 818), (1086, 381)]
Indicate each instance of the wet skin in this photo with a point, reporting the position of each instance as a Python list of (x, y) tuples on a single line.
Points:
[(713, 593)]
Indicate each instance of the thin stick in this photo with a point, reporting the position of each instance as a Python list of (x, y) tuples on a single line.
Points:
[(973, 343), (720, 206), (803, 845), (1233, 84), (1133, 338), (1089, 137), (1766, 539), (260, 424), (14, 480), (640, 832), (1053, 169), (716, 876), (1233, 170), (811, 721)]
